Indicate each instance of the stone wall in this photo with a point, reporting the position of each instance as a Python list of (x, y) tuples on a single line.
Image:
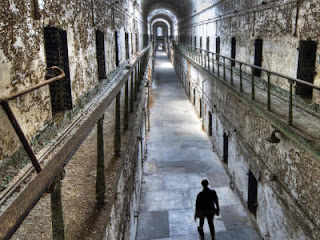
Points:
[(23, 60), (280, 24), (288, 177)]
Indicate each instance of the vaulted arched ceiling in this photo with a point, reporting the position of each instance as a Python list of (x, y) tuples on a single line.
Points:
[(161, 16), (164, 27), (161, 22), (181, 8)]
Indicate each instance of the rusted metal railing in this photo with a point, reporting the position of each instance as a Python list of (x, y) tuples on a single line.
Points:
[(48, 178), (216, 62), (4, 101)]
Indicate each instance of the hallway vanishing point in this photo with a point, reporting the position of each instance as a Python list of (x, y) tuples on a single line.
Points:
[(179, 155)]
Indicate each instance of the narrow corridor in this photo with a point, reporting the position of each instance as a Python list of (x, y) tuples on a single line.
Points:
[(180, 155)]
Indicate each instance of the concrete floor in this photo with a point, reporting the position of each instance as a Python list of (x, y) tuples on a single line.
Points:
[(179, 156)]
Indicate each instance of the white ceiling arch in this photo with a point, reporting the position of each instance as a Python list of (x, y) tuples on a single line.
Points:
[(162, 21), (163, 13), (180, 8)]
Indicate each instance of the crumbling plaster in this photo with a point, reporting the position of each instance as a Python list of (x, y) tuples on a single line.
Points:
[(276, 22), (22, 54)]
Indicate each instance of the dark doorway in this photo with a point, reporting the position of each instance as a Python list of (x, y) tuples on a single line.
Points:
[(258, 56), (194, 96), (145, 40), (189, 89), (207, 57), (116, 48), (233, 49), (201, 53), (100, 54), (56, 48), (252, 193), (210, 123), (306, 67), (200, 106), (131, 43), (218, 46), (137, 43), (127, 45), (225, 148), (195, 41), (190, 40)]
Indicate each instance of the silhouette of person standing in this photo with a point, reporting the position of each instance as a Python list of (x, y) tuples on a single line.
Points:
[(207, 206)]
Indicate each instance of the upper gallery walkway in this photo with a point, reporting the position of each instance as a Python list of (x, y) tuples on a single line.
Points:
[(292, 115), (180, 155)]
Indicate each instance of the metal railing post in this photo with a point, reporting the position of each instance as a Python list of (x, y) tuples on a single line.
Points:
[(252, 84), (290, 103), (117, 134), (57, 211), (218, 63), (213, 62), (224, 68), (269, 92), (202, 58), (126, 107), (231, 73), (136, 80), (100, 179), (198, 56), (241, 84), (131, 92), (21, 135)]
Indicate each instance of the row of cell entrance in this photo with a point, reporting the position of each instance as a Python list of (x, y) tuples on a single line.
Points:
[(306, 60), (56, 50)]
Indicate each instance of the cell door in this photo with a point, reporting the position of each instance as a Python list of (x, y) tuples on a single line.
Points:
[(306, 67), (116, 43), (225, 148), (100, 54), (200, 106), (127, 45), (218, 46), (210, 123), (233, 49), (194, 96), (137, 43), (258, 56), (208, 49), (56, 49), (195, 41), (131, 43), (252, 193)]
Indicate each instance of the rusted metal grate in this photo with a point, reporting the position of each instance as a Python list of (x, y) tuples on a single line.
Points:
[(306, 67), (116, 48), (127, 46), (101, 54), (56, 48)]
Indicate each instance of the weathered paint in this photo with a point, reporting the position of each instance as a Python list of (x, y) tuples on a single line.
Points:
[(22, 55), (273, 21)]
